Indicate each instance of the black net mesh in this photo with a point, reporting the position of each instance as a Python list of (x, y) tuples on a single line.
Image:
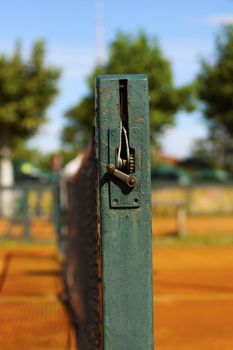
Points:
[(83, 263)]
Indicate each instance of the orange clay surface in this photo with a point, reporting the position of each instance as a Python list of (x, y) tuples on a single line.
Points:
[(196, 225), (193, 298), (31, 313)]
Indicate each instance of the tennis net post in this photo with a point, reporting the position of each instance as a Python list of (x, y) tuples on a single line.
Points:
[(109, 259)]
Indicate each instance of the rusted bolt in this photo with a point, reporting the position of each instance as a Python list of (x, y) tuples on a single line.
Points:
[(111, 168), (132, 181)]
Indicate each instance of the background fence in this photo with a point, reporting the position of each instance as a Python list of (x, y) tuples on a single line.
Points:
[(30, 211), (194, 210), (206, 199)]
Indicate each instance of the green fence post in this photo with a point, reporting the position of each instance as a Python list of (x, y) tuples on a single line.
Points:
[(26, 214), (122, 116)]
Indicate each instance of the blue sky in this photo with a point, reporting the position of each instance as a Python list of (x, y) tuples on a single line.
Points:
[(185, 29)]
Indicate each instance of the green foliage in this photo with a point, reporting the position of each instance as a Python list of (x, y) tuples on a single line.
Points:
[(216, 149), (80, 117), (132, 55), (215, 83), (204, 149), (27, 88), (22, 154), (215, 90)]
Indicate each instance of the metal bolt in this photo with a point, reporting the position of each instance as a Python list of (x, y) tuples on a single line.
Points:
[(111, 168), (132, 181)]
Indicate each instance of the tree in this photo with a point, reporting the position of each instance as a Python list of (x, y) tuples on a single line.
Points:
[(215, 82), (132, 54), (215, 91), (216, 149), (204, 150), (27, 88)]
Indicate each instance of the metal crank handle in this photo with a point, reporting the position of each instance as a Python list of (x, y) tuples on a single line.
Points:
[(130, 180)]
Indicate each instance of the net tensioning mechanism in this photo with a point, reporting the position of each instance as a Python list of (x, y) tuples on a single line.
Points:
[(124, 151)]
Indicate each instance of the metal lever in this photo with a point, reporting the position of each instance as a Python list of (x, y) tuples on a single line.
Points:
[(130, 180)]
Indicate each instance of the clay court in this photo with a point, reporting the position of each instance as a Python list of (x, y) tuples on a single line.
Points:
[(193, 287), (193, 298), (32, 316)]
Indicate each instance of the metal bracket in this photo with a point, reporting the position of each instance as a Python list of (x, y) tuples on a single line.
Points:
[(121, 195)]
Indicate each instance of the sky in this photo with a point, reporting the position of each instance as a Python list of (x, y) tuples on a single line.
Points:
[(185, 30)]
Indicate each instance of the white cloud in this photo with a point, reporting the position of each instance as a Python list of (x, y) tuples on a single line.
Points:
[(219, 19)]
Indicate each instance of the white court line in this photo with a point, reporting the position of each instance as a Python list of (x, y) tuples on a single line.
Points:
[(172, 298), (27, 299)]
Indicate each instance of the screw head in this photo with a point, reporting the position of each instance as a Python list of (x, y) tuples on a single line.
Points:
[(132, 181), (111, 168)]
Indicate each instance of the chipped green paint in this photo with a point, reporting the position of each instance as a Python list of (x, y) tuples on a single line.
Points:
[(125, 231)]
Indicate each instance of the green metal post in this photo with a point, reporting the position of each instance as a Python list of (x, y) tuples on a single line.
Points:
[(26, 215), (122, 115)]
